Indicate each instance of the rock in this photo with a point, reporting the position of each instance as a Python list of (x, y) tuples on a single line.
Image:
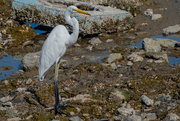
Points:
[(159, 57), (17, 73), (75, 118), (125, 111), (148, 12), (114, 56), (14, 119), (21, 89), (167, 43), (7, 104), (77, 45), (135, 118), (165, 98), (147, 101), (118, 94), (29, 117), (109, 40), (173, 117), (30, 61), (151, 45), (6, 99), (135, 58), (29, 81), (157, 103), (171, 29), (94, 41), (113, 66), (148, 116), (155, 17), (129, 63)]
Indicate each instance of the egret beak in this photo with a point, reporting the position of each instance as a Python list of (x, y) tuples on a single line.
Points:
[(81, 11)]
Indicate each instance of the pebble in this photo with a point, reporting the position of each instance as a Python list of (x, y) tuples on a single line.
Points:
[(6, 99), (125, 111), (21, 89), (155, 17), (147, 101), (29, 81), (129, 63), (148, 116), (114, 56), (135, 58), (165, 98), (109, 40), (173, 117), (113, 66), (148, 12), (7, 104), (94, 41), (14, 119)]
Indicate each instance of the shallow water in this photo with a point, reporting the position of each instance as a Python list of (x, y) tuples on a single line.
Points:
[(9, 61), (139, 45), (172, 60)]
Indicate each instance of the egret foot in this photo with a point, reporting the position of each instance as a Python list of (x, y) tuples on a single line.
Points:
[(59, 109)]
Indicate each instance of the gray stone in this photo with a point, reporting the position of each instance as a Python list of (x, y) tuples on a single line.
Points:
[(94, 41), (109, 40), (148, 12), (114, 56), (7, 104), (135, 118), (148, 116), (167, 43), (151, 45), (113, 66), (129, 63), (135, 58), (30, 61), (75, 118), (165, 98), (29, 81), (159, 57), (171, 29), (14, 119), (173, 117), (147, 101), (6, 99), (155, 17), (125, 111)]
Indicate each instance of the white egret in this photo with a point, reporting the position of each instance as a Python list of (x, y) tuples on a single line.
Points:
[(55, 47)]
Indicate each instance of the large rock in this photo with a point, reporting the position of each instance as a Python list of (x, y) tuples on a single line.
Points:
[(154, 45), (151, 45), (171, 29), (167, 43), (30, 61)]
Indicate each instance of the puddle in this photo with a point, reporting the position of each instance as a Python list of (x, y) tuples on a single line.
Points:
[(139, 45), (37, 28), (8, 65), (172, 60)]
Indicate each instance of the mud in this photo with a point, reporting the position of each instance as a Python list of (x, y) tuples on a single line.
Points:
[(84, 75)]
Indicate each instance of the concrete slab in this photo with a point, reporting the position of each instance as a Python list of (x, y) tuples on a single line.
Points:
[(102, 19)]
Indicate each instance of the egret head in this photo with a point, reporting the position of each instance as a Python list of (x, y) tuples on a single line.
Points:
[(74, 9)]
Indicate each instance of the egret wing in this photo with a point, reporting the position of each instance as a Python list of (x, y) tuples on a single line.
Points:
[(53, 49)]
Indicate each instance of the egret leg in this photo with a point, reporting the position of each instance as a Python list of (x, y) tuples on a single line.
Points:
[(58, 106)]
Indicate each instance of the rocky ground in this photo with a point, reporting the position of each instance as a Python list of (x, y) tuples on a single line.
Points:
[(100, 77)]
